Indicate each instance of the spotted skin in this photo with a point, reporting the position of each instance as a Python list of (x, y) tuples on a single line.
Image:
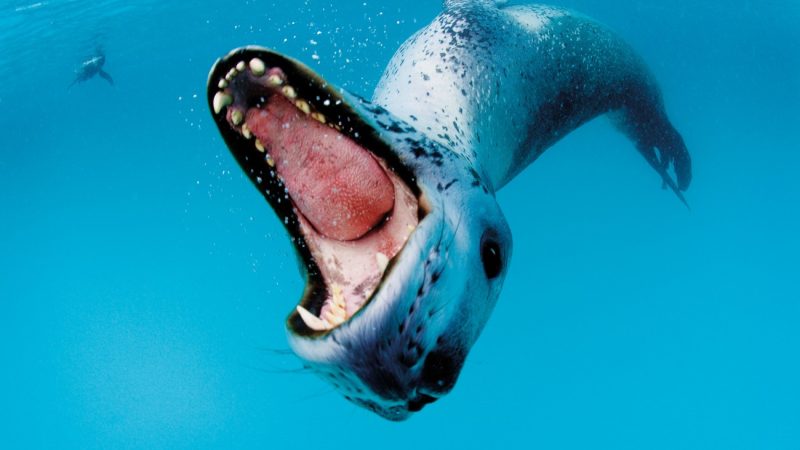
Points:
[(503, 98), (407, 346), (495, 87), (465, 105)]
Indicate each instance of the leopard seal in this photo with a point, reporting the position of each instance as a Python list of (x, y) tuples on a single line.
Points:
[(390, 203)]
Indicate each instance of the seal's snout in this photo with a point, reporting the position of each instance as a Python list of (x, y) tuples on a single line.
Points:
[(416, 404), (440, 372)]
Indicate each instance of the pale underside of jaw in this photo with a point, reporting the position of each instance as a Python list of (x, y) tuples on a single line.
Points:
[(354, 213)]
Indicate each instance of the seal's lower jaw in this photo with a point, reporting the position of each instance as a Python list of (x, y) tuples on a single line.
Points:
[(345, 199)]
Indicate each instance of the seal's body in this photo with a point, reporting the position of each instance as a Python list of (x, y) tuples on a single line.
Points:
[(390, 204), (501, 85)]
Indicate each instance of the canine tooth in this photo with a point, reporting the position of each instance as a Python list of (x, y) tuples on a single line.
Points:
[(319, 117), (313, 322), (382, 261), (260, 146), (289, 92), (240, 66), (246, 131), (223, 83), (221, 100), (257, 67), (302, 105), (270, 161), (237, 117)]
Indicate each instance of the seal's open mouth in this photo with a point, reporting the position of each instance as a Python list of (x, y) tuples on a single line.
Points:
[(345, 201)]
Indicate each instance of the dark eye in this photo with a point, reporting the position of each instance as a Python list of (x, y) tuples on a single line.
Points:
[(491, 258)]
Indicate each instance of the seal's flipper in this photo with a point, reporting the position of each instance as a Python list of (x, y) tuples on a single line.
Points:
[(104, 75), (673, 150), (657, 141), (661, 166)]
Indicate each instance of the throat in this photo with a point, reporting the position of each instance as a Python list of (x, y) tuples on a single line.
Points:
[(355, 214), (353, 270), (348, 211)]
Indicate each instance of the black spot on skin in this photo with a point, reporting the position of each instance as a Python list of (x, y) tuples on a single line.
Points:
[(435, 277), (395, 127), (476, 179)]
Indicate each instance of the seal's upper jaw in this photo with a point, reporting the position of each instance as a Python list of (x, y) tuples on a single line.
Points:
[(348, 202)]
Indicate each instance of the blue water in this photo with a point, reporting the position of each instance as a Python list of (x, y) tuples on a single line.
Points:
[(144, 282)]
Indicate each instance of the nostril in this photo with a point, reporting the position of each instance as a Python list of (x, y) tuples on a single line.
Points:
[(440, 371), (419, 402)]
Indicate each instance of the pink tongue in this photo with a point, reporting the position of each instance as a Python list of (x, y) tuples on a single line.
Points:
[(337, 185)]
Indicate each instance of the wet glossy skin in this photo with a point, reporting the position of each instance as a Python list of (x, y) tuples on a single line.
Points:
[(461, 109)]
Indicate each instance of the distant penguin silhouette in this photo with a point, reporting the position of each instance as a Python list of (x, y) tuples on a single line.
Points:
[(91, 67)]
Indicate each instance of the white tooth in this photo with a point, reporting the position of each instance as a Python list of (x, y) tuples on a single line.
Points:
[(334, 319), (318, 117), (338, 296), (289, 92), (246, 131), (231, 74), (260, 146), (382, 261), (223, 83), (313, 322), (236, 117), (257, 67), (274, 80), (302, 105), (240, 66), (270, 161), (221, 100)]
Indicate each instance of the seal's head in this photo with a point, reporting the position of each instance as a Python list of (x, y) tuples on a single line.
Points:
[(403, 246)]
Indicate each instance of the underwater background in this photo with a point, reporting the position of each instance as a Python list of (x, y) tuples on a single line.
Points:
[(144, 282)]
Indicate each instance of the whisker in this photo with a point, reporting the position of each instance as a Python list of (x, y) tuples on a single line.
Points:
[(277, 351), (303, 370), (323, 393)]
